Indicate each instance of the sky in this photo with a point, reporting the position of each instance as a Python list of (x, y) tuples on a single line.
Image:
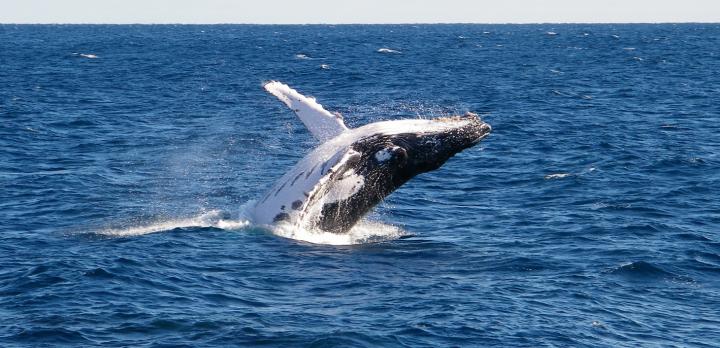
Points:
[(358, 11)]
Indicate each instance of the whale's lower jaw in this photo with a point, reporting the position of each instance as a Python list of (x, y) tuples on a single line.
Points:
[(337, 218), (340, 217)]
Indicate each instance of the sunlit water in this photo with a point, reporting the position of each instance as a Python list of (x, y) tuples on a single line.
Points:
[(589, 217)]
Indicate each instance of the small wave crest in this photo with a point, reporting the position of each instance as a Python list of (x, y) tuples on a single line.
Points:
[(640, 269), (213, 218), (387, 50), (556, 176), (643, 271), (85, 55), (362, 233)]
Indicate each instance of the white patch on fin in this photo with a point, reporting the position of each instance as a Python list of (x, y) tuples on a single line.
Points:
[(323, 124)]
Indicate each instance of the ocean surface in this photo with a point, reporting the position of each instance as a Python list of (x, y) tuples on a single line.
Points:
[(590, 217)]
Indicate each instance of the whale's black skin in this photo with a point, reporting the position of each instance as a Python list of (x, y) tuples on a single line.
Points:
[(405, 155)]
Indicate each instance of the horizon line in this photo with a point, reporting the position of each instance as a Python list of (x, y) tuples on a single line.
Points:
[(331, 23)]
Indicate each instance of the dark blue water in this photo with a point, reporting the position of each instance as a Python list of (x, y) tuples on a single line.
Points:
[(590, 217)]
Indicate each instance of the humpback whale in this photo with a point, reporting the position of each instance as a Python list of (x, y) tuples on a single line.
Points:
[(353, 170)]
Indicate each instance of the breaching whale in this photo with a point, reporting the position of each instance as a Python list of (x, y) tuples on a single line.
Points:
[(353, 170)]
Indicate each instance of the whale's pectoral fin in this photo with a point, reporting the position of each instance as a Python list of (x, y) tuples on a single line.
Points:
[(324, 125)]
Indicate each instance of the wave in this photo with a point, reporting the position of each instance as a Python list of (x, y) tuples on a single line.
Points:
[(644, 271), (86, 55), (388, 50), (556, 176), (563, 175)]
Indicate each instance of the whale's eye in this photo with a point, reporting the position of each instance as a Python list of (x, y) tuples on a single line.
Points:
[(401, 155)]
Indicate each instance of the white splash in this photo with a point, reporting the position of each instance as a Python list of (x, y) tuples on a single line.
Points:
[(387, 50), (208, 219), (362, 233), (556, 176)]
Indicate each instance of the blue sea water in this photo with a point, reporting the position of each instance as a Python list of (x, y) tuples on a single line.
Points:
[(589, 218)]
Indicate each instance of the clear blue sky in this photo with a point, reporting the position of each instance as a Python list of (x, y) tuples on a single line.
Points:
[(357, 11)]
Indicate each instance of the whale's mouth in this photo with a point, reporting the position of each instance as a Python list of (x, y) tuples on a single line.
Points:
[(482, 133)]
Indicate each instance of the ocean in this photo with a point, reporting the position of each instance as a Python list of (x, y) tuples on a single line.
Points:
[(590, 217)]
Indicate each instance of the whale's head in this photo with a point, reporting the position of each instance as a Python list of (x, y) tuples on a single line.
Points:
[(419, 152), (396, 153), (418, 146)]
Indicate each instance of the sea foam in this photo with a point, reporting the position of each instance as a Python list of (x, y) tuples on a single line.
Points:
[(211, 218), (362, 233)]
